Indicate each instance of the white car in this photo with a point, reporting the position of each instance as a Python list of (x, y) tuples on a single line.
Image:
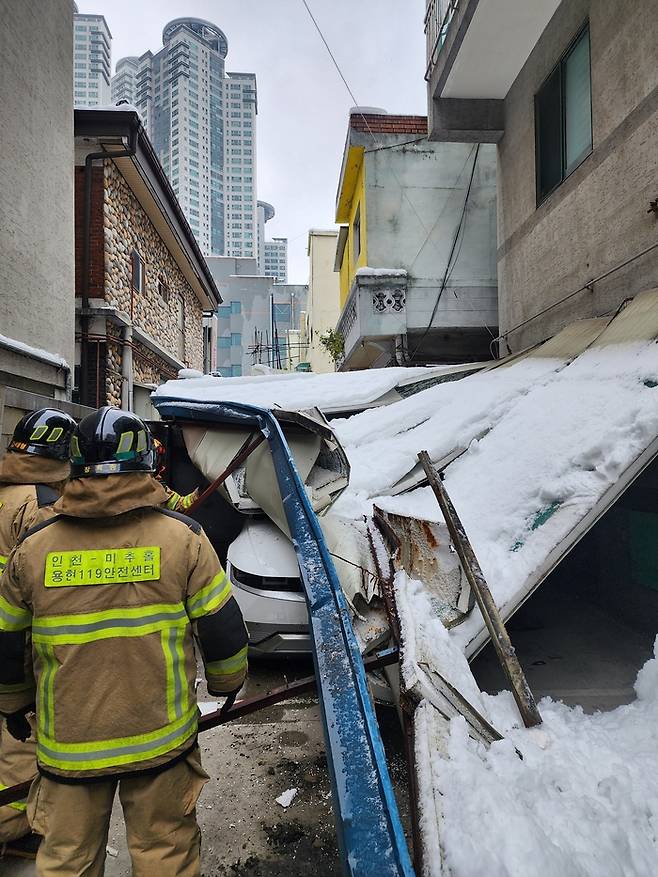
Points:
[(262, 566)]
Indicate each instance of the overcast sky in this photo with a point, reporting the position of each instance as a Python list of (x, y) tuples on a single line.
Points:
[(302, 103)]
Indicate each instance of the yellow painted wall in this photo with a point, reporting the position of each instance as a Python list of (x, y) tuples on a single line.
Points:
[(349, 265)]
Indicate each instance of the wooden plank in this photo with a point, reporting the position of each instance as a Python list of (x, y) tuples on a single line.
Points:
[(490, 613)]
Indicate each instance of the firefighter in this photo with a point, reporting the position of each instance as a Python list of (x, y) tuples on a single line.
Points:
[(32, 475), (175, 501), (114, 590)]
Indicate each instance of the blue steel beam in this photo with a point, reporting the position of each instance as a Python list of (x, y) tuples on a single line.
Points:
[(370, 834)]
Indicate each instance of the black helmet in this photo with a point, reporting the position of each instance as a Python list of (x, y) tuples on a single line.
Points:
[(45, 433), (109, 442)]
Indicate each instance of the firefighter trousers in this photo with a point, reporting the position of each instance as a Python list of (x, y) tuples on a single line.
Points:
[(18, 764), (160, 814)]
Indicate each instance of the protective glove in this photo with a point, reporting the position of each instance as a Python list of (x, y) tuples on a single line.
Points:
[(18, 725)]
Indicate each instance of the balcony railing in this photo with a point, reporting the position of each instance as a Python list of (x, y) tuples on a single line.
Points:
[(437, 21)]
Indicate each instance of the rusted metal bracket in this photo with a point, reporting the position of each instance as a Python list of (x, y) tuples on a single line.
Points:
[(237, 711), (500, 638)]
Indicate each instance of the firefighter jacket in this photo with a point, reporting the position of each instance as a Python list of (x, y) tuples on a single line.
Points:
[(27, 483), (114, 589)]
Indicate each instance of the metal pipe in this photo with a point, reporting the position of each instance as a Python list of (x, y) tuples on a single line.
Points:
[(86, 256), (127, 368)]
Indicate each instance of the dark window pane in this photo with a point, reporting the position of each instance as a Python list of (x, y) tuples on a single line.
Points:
[(578, 103), (357, 233), (549, 135)]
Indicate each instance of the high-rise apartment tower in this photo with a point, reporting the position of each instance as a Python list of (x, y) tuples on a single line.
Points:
[(202, 123), (92, 60), (276, 259)]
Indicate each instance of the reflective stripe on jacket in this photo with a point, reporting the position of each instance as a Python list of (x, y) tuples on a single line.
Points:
[(112, 605)]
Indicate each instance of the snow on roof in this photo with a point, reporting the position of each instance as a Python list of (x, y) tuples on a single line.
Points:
[(545, 439), (338, 391), (34, 352)]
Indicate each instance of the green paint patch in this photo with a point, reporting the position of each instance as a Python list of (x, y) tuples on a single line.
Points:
[(540, 518)]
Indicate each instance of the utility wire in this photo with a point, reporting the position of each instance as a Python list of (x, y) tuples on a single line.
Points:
[(381, 147), (450, 264)]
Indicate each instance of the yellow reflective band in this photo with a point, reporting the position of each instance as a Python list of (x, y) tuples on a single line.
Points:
[(12, 617), (100, 754), (75, 449), (38, 433), (209, 598), (16, 805), (141, 441), (228, 665), (125, 443), (172, 502), (110, 624), (55, 434), (46, 688), (102, 566), (177, 687)]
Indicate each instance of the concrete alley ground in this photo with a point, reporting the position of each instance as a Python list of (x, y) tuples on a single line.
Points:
[(252, 761)]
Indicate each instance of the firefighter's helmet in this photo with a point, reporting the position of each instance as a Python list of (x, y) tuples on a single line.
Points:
[(111, 442), (44, 433)]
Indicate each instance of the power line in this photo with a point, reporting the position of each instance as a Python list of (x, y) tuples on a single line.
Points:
[(450, 266), (381, 147)]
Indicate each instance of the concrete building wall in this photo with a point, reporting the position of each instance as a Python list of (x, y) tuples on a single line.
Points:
[(415, 196), (36, 189), (244, 323), (323, 297), (597, 218)]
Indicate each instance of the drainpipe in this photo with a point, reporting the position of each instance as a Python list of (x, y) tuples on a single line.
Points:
[(127, 368), (86, 257)]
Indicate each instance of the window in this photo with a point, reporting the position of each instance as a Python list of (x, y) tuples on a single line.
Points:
[(137, 271), (224, 341), (563, 117), (236, 371), (163, 289), (236, 339), (282, 313), (236, 307), (357, 233), (224, 311)]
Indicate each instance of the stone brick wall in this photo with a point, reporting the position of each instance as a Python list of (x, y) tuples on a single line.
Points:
[(128, 228)]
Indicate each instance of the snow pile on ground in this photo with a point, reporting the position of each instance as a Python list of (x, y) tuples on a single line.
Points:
[(583, 802), (296, 390), (544, 441)]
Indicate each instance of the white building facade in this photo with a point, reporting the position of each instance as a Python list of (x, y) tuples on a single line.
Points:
[(202, 123), (275, 259), (92, 60)]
